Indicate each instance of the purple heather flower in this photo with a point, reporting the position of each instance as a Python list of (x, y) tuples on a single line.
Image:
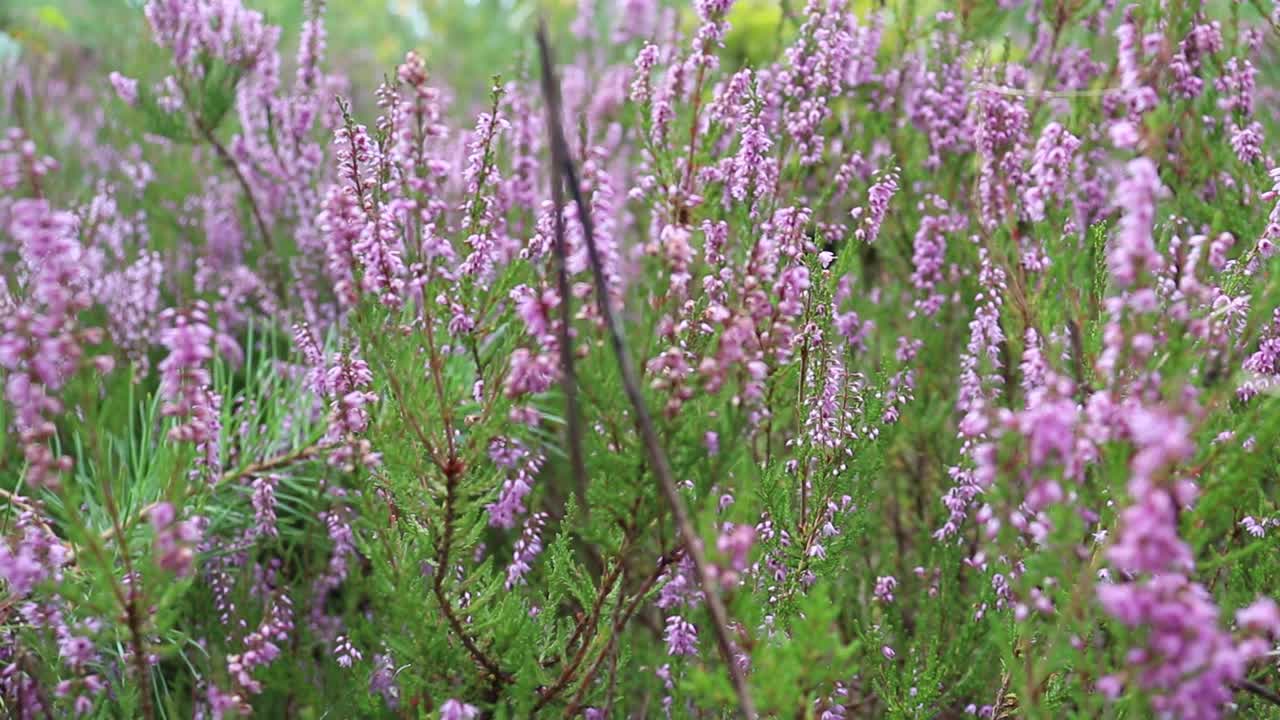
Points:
[(1247, 141), (531, 373), (1001, 129), (41, 339), (1050, 169), (346, 653), (264, 505), (1263, 616), (735, 542), (937, 98), (311, 46), (1236, 86), (126, 88), (527, 549), (32, 556), (510, 504), (185, 380), (681, 636), (379, 253), (382, 680), (342, 541), (458, 710), (1189, 665), (928, 257), (1133, 249), (885, 585), (344, 383), (175, 541), (681, 587), (870, 219), (1253, 527)]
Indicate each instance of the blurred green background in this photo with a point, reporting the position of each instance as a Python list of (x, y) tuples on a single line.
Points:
[(465, 42)]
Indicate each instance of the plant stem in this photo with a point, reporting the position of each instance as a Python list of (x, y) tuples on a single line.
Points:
[(304, 453), (437, 583), (568, 375), (657, 456)]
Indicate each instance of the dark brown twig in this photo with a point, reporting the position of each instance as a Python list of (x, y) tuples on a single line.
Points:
[(437, 585), (206, 133), (1260, 690), (28, 667), (230, 162), (268, 243), (630, 380), (579, 636), (568, 376), (302, 454), (620, 619), (128, 601), (26, 505)]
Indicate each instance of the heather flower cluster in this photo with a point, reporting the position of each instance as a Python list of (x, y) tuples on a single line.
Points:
[(710, 358)]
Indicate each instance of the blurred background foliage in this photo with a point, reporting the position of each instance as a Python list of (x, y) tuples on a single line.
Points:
[(465, 42), (461, 39)]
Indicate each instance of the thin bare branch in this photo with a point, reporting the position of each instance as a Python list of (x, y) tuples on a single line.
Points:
[(1260, 690), (630, 379), (568, 375), (445, 544), (307, 452)]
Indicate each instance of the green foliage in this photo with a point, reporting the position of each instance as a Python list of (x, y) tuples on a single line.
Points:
[(429, 583)]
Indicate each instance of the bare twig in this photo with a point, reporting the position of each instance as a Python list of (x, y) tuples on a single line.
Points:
[(225, 156), (621, 617), (1260, 690), (588, 622), (622, 614), (657, 456), (268, 244), (568, 376), (306, 452), (613, 680), (28, 667), (1042, 93), (26, 505), (128, 600), (437, 584), (412, 420)]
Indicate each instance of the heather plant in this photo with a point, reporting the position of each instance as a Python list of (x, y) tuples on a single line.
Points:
[(861, 360)]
